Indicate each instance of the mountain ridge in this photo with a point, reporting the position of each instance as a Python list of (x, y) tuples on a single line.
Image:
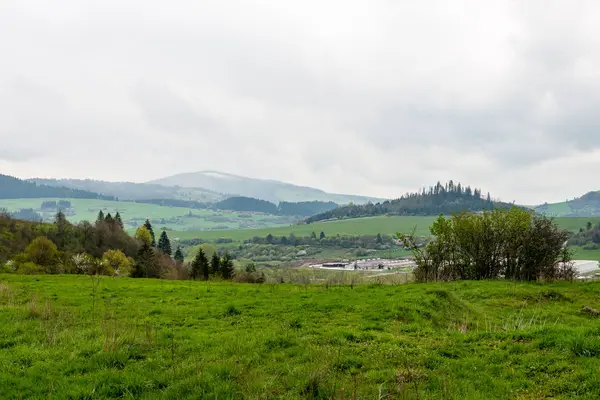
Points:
[(264, 189)]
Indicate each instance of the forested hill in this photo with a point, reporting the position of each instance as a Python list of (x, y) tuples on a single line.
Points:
[(438, 199), (300, 209), (14, 188)]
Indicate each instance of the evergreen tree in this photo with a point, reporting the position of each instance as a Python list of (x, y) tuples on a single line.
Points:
[(118, 220), (100, 218), (145, 265), (313, 235), (322, 235), (269, 238), (164, 244), (200, 267), (215, 264), (379, 239), (109, 219), (178, 256), (227, 267), (148, 226)]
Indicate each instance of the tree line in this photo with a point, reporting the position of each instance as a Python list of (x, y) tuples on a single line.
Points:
[(439, 199), (102, 247), (512, 244)]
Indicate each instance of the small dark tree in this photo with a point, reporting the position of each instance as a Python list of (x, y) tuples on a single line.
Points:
[(118, 220), (164, 244), (227, 267), (200, 267), (215, 264), (148, 226), (100, 217), (109, 220), (178, 256), (379, 239), (322, 235), (269, 238), (313, 235)]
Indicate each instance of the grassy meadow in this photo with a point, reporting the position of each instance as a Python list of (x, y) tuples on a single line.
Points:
[(134, 214), (66, 337)]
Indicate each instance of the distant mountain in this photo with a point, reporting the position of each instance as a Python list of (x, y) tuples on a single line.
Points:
[(447, 199), (15, 188), (587, 205), (135, 191), (264, 189)]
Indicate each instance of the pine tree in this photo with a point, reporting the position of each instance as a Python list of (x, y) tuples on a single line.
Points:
[(118, 220), (200, 267), (178, 256), (269, 238), (215, 264), (148, 226), (227, 267), (100, 218), (322, 235), (379, 239), (313, 235), (145, 265), (164, 244), (109, 219)]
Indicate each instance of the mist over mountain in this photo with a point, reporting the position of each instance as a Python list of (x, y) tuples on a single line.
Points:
[(264, 189)]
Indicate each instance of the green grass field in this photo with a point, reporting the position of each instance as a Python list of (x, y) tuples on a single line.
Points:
[(134, 214), (155, 339), (356, 226)]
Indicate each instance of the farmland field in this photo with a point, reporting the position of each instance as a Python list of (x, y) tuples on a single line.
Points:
[(134, 214), (356, 226), (136, 338)]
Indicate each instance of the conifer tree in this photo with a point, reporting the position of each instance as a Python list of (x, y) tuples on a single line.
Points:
[(109, 219), (313, 235), (164, 244), (118, 220), (227, 267), (200, 267), (100, 218), (148, 226), (215, 264), (322, 235), (178, 256), (379, 239)]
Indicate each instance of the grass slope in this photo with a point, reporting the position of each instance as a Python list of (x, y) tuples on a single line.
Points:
[(357, 226), (134, 214), (156, 339)]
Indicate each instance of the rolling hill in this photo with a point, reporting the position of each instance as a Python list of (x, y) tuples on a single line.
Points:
[(15, 188), (264, 189), (134, 191), (587, 205)]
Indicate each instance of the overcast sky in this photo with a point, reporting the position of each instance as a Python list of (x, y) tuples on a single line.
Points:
[(365, 97)]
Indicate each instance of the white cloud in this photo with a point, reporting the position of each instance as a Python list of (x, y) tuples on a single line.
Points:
[(374, 98)]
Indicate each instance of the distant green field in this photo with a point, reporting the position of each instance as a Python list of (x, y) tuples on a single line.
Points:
[(157, 339), (356, 226), (134, 214)]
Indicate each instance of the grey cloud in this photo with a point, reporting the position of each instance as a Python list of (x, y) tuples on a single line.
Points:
[(375, 98)]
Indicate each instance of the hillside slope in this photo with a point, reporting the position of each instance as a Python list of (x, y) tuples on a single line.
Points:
[(15, 188), (264, 189), (587, 205), (437, 200), (134, 191)]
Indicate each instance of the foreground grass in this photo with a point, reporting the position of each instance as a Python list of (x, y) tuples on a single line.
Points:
[(176, 340)]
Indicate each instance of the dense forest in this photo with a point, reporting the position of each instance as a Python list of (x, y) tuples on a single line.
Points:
[(300, 209), (14, 188), (438, 199), (241, 203), (175, 203)]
